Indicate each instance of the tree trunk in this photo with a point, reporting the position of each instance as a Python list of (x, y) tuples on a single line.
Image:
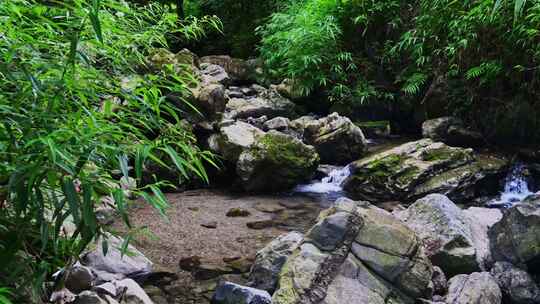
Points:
[(180, 9)]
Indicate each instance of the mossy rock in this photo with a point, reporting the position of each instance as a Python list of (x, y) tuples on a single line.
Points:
[(276, 162)]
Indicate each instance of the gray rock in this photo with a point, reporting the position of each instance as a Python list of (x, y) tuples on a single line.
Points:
[(480, 220), (233, 139), (114, 262), (440, 283), (79, 278), (240, 70), (517, 286), (445, 232), (415, 169), (477, 288), (230, 293), (279, 158), (210, 98), (516, 237), (451, 131), (133, 293), (268, 103), (277, 123), (89, 297), (356, 253), (270, 260), (336, 138), (213, 74)]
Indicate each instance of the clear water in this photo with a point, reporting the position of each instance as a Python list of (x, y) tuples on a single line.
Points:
[(330, 185), (516, 188)]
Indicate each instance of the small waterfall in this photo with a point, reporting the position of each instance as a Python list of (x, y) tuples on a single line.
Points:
[(329, 184), (516, 188)]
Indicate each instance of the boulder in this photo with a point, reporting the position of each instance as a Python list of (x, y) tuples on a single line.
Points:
[(281, 124), (183, 61), (445, 232), (418, 168), (213, 74), (279, 158), (336, 138), (266, 103), (210, 98), (114, 261), (451, 131), (477, 288), (480, 220), (233, 139), (516, 237), (243, 71), (439, 281), (517, 286), (270, 260), (89, 297), (79, 278), (356, 253), (230, 293)]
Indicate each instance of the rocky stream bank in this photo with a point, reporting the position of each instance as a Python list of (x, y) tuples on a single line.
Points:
[(412, 222)]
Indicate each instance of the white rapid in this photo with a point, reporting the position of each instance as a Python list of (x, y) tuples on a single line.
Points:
[(331, 184), (516, 188)]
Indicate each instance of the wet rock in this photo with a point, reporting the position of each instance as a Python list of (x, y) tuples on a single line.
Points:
[(238, 212), (356, 253), (517, 285), (336, 138), (516, 237), (440, 283), (416, 169), (478, 288), (259, 225), (445, 232), (203, 269), (114, 262), (270, 260), (106, 288), (269, 207), (279, 158), (230, 293), (79, 278), (451, 131)]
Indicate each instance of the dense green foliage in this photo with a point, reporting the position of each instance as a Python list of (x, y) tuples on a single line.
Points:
[(477, 59), (81, 108)]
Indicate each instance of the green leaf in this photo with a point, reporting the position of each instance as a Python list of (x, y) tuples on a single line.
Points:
[(118, 196), (94, 19), (73, 199)]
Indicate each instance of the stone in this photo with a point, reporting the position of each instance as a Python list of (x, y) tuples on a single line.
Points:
[(451, 131), (268, 103), (210, 224), (114, 262), (477, 288), (440, 283), (260, 224), (270, 260), (79, 278), (336, 139), (480, 220), (213, 74), (132, 292), (517, 286), (203, 269), (231, 293), (89, 297), (516, 237), (356, 253), (279, 158), (235, 138), (210, 98), (269, 207), (415, 169), (241, 71), (445, 232), (106, 288), (238, 212)]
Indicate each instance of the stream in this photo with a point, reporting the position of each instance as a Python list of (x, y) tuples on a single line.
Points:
[(516, 188)]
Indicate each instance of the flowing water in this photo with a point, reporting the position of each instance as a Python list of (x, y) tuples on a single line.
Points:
[(330, 187), (516, 188)]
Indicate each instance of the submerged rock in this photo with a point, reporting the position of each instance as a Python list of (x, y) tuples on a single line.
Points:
[(230, 293), (516, 237), (276, 162), (478, 288), (356, 253), (415, 169), (451, 131), (270, 260)]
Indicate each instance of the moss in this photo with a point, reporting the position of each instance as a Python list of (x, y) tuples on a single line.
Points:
[(281, 149), (445, 154), (407, 176), (381, 169), (373, 124)]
